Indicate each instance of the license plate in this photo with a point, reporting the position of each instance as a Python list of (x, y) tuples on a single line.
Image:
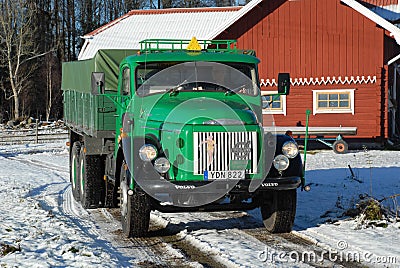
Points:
[(224, 175)]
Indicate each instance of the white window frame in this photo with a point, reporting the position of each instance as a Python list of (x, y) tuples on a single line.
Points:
[(275, 111), (316, 110)]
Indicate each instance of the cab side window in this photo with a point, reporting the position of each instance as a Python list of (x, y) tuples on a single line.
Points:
[(126, 82)]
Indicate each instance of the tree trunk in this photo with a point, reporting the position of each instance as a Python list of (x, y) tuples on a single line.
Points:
[(50, 95), (16, 105)]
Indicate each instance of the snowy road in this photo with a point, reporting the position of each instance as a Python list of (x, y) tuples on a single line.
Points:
[(39, 217)]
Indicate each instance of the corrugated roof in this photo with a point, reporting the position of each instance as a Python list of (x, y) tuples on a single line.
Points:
[(381, 2), (177, 23), (386, 14), (393, 29), (387, 9)]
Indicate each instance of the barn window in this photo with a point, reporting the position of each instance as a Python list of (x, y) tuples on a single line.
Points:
[(333, 101), (274, 104)]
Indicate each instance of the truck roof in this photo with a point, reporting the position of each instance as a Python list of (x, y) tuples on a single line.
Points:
[(183, 56), (76, 74), (154, 50)]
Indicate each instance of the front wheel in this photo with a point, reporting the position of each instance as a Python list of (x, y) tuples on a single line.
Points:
[(135, 208), (278, 212)]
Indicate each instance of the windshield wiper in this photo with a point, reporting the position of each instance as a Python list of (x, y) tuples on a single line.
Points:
[(173, 91), (235, 90)]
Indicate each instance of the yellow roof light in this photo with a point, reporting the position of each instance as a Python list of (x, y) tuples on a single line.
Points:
[(194, 45)]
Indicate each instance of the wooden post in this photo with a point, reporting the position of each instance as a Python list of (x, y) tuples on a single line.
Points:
[(37, 130), (303, 179)]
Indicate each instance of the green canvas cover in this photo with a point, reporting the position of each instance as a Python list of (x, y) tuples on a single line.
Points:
[(76, 75), (84, 112)]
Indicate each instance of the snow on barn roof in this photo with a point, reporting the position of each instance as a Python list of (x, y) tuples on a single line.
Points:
[(137, 25), (386, 13), (387, 9), (370, 14), (184, 23), (175, 23)]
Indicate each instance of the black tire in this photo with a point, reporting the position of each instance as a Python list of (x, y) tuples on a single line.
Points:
[(91, 180), (74, 170), (135, 208), (340, 147), (278, 214)]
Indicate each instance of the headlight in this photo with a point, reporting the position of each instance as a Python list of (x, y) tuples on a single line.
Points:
[(290, 149), (281, 162), (162, 165), (148, 152)]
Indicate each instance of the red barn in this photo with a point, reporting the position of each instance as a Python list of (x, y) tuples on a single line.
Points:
[(337, 59), (342, 56)]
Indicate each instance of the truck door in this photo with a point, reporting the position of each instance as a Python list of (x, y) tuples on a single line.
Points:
[(125, 90), (125, 97)]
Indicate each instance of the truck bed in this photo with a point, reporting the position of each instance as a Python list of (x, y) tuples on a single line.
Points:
[(83, 112)]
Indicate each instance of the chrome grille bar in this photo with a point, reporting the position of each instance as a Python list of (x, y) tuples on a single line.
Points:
[(219, 151)]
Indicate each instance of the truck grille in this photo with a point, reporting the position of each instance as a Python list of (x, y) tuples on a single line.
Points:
[(222, 151)]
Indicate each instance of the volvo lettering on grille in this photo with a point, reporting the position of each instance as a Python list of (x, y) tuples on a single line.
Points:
[(242, 150)]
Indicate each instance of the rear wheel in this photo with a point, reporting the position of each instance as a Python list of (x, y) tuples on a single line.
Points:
[(74, 169), (279, 212), (340, 147), (91, 180), (135, 207)]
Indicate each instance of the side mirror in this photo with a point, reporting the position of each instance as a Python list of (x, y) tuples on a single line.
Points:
[(98, 83), (283, 83)]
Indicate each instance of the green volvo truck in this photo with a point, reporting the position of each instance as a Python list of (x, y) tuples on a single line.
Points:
[(177, 127)]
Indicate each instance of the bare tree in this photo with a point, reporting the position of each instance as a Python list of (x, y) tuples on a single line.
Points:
[(224, 3), (16, 37), (53, 79), (30, 76)]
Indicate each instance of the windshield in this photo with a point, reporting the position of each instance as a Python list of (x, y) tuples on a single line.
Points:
[(230, 78)]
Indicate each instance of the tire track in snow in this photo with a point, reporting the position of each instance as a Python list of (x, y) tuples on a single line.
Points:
[(41, 164), (166, 242), (176, 240), (58, 200), (163, 248), (99, 225), (155, 247), (228, 236), (327, 242), (216, 235), (65, 203), (73, 229)]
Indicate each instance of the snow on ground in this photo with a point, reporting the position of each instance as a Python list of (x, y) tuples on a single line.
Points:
[(47, 233), (39, 217), (334, 189), (333, 192)]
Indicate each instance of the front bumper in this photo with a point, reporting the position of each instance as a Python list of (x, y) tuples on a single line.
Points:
[(162, 186), (240, 196), (285, 183)]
